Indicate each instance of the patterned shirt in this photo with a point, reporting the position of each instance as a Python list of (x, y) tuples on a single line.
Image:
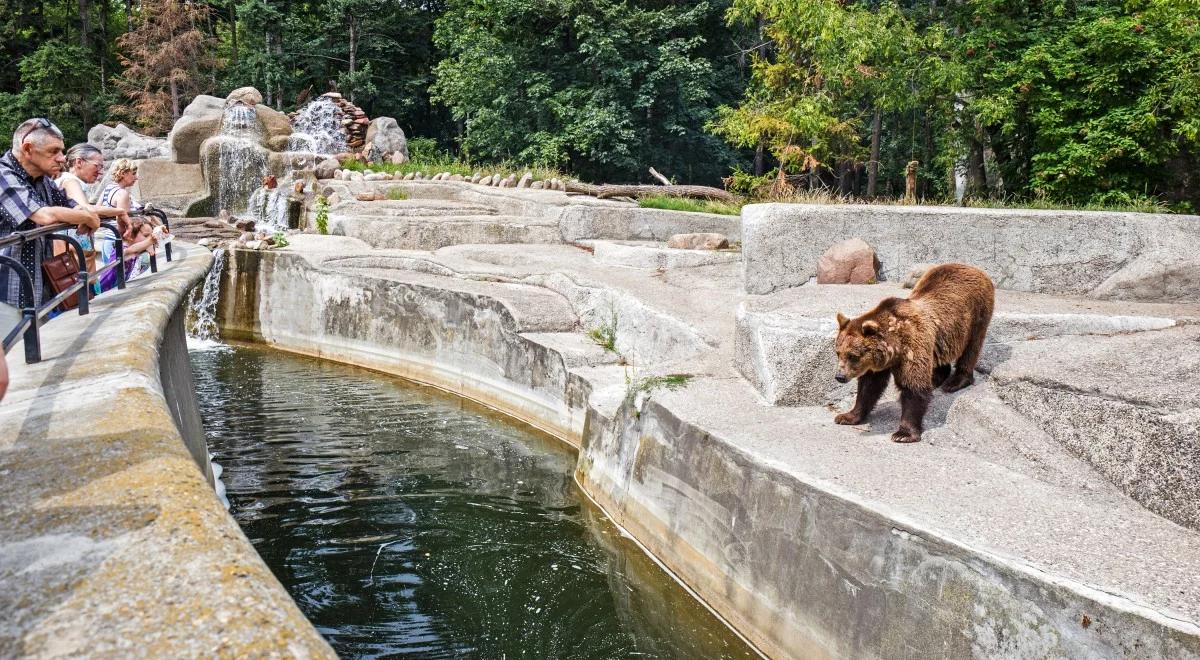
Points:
[(21, 196)]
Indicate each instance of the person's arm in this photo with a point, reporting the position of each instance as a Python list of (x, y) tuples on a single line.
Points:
[(3, 374), (82, 216), (137, 247), (121, 199), (75, 192)]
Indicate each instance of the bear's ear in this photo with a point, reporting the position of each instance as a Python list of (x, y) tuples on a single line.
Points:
[(870, 328), (842, 321)]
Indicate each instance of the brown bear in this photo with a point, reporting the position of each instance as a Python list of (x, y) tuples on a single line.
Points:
[(916, 341)]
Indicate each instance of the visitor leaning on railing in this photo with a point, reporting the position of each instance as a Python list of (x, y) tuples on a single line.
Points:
[(29, 198)]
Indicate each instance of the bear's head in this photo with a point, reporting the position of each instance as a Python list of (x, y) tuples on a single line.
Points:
[(861, 348)]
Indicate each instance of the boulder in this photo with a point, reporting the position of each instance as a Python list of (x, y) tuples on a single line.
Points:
[(398, 158), (120, 141), (244, 225), (247, 95), (326, 169), (275, 125), (200, 121), (333, 200), (698, 241), (387, 136), (915, 274), (537, 185), (851, 261), (526, 179)]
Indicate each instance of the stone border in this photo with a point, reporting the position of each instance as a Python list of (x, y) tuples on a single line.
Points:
[(115, 543)]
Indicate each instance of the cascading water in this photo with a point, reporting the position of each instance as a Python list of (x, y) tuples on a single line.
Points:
[(317, 129), (202, 305), (241, 160), (269, 207)]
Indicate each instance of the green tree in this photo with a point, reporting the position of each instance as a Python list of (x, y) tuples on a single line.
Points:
[(605, 88), (58, 82)]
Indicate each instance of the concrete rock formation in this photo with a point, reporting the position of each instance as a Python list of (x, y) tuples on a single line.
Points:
[(851, 261), (245, 95), (120, 141)]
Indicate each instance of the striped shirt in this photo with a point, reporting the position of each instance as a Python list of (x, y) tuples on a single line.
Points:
[(21, 196)]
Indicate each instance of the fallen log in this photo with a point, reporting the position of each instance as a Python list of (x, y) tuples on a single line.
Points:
[(621, 190)]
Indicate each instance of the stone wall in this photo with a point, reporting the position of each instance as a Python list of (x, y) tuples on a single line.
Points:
[(114, 543), (1125, 256)]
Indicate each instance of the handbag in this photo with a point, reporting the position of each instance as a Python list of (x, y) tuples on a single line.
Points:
[(62, 271)]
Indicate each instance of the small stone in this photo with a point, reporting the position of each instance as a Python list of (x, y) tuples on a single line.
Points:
[(476, 177), (204, 242), (368, 196), (915, 274), (526, 179), (418, 175), (398, 158), (851, 261), (457, 177), (244, 225), (503, 183), (537, 185), (356, 176), (334, 199), (707, 241), (409, 176)]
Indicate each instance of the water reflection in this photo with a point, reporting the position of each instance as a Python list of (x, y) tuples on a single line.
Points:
[(407, 522)]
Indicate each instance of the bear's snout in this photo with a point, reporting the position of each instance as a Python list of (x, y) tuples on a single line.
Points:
[(841, 377)]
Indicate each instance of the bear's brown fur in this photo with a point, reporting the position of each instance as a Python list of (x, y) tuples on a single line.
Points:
[(916, 341)]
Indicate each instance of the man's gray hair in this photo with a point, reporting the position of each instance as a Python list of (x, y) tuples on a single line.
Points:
[(34, 130)]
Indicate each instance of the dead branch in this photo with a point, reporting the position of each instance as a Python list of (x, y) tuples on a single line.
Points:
[(654, 173)]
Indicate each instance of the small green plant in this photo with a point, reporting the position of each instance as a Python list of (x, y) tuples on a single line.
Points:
[(605, 335), (322, 209), (394, 193), (648, 385), (693, 205), (281, 240)]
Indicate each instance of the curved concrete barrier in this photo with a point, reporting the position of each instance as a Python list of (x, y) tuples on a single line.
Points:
[(813, 540), (112, 541)]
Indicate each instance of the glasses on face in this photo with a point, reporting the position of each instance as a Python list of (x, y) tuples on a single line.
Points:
[(98, 164)]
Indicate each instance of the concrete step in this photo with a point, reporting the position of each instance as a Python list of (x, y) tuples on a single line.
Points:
[(431, 233)]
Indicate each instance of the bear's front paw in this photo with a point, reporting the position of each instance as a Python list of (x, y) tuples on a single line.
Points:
[(957, 383), (848, 418), (906, 436)]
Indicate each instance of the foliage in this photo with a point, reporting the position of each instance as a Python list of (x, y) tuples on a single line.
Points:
[(322, 214), (602, 88), (281, 240), (694, 205), (1083, 103), (396, 193), (167, 60), (646, 386), (57, 81), (605, 334)]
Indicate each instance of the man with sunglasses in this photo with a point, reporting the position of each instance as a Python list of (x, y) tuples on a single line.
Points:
[(28, 198)]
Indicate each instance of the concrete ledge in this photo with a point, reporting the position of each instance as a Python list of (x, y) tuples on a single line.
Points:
[(114, 543), (1125, 256), (814, 540)]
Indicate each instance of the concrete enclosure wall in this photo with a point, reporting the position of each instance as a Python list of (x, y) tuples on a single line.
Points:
[(1125, 256)]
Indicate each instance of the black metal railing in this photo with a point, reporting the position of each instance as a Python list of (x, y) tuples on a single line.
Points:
[(32, 315)]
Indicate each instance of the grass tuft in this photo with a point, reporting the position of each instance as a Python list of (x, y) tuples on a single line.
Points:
[(690, 205)]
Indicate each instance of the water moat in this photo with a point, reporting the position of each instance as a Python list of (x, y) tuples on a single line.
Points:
[(406, 521)]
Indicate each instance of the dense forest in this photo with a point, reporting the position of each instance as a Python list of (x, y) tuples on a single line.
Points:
[(1066, 101)]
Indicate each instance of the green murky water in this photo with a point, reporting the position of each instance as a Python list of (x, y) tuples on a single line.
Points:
[(407, 522)]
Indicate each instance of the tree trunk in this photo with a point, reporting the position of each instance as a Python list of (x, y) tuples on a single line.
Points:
[(233, 31), (85, 25), (976, 177), (873, 166), (353, 51), (174, 101), (128, 16), (760, 159), (615, 190)]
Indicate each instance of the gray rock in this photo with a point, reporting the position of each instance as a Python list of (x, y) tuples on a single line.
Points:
[(915, 274), (409, 176), (476, 177), (456, 177), (200, 121), (246, 95), (326, 169), (387, 136), (526, 179), (537, 185)]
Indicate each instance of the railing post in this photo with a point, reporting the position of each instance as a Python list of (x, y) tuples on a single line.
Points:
[(33, 342), (120, 248)]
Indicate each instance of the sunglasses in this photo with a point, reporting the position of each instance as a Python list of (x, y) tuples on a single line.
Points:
[(40, 122)]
